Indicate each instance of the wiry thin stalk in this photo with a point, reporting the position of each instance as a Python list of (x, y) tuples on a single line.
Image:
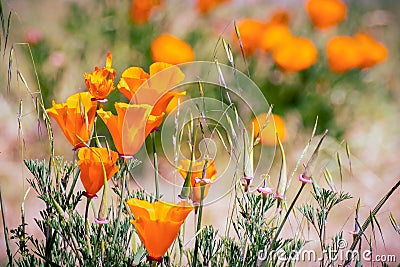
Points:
[(357, 237)]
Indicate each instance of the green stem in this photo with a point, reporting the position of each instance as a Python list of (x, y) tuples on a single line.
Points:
[(357, 238), (86, 215), (200, 215), (120, 205), (6, 234), (153, 137), (71, 190), (287, 213)]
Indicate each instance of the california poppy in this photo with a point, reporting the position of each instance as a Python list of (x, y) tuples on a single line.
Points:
[(273, 35), (326, 13), (156, 86), (158, 223), (372, 52), (205, 6), (130, 127), (295, 54), (75, 117), (249, 32), (343, 54), (101, 81), (141, 10), (197, 172), (91, 162), (274, 126), (170, 49)]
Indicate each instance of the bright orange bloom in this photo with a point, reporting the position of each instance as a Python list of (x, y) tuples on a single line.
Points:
[(250, 31), (130, 127), (197, 172), (343, 54), (141, 10), (101, 81), (372, 51), (158, 223), (170, 49), (155, 88), (273, 35), (91, 162), (75, 117), (205, 6), (295, 54), (326, 13), (268, 134)]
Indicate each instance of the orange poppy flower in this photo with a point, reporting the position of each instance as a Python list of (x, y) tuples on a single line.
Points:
[(326, 13), (170, 49), (91, 162), (250, 31), (295, 54), (130, 127), (75, 117), (343, 54), (141, 10), (197, 172), (101, 81), (158, 223), (268, 134), (372, 51), (273, 35), (155, 91), (205, 6)]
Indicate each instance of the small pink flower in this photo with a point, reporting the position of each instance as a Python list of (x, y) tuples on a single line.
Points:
[(265, 190), (278, 196), (304, 179), (34, 36), (101, 221)]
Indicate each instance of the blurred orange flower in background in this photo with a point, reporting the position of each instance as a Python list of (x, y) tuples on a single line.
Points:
[(295, 54), (130, 127), (91, 162), (272, 125), (170, 49), (250, 31), (372, 51), (361, 51), (101, 81), (156, 90), (158, 224), (343, 54), (205, 6), (273, 35), (141, 10), (197, 172), (326, 13), (75, 117)]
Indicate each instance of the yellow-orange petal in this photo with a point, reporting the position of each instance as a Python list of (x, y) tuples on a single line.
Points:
[(131, 79), (275, 125), (372, 52), (170, 49), (326, 13), (295, 54), (343, 54)]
